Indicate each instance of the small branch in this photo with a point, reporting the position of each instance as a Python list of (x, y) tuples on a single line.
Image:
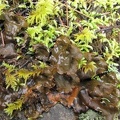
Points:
[(108, 28), (25, 63), (106, 13), (75, 10), (3, 42), (67, 13), (61, 21)]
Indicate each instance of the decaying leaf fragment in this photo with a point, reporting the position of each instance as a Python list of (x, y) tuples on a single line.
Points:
[(101, 96), (41, 52), (65, 55), (13, 24)]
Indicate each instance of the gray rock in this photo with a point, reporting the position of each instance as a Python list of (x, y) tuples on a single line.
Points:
[(59, 112)]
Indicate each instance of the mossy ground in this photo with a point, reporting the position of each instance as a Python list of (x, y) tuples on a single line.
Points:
[(59, 52)]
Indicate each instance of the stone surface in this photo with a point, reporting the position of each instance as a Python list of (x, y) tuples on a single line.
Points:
[(59, 112)]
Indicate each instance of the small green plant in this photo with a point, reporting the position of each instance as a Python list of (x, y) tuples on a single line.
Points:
[(84, 38), (3, 5), (39, 17), (113, 50), (10, 76), (39, 35), (14, 75), (91, 66), (17, 105), (82, 62), (13, 80), (91, 115), (43, 9)]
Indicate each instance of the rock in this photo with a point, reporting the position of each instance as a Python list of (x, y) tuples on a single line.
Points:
[(8, 51), (59, 112)]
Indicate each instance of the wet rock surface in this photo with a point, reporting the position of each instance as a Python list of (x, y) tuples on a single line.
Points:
[(59, 112)]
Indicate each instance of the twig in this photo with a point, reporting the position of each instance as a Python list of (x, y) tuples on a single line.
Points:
[(67, 12), (108, 28), (79, 12), (61, 21), (25, 63), (75, 10), (3, 42)]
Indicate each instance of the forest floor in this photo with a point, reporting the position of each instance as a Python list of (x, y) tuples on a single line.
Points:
[(48, 73)]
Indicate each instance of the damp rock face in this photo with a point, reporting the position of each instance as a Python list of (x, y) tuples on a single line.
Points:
[(59, 112)]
